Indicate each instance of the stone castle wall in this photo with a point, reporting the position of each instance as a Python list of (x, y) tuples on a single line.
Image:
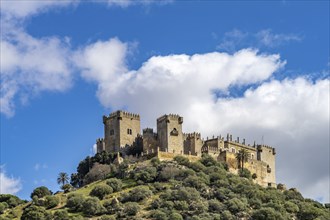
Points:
[(170, 136), (122, 130)]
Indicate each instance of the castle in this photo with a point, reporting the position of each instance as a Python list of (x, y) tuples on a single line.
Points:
[(122, 130)]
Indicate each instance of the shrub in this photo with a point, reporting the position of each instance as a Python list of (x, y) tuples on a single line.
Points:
[(226, 215), (146, 174), (236, 205), (75, 202), (216, 206), (137, 194), (115, 184), (197, 166), (159, 186), (208, 161), (112, 206), (159, 215), (308, 211), (131, 208), (107, 217), (92, 206), (168, 172), (61, 215), (3, 207), (266, 213), (185, 194), (67, 188), (175, 216), (11, 200), (194, 181), (35, 213), (293, 194), (181, 160), (245, 173), (155, 161), (51, 202), (40, 192), (291, 207), (198, 207), (167, 205), (181, 205), (100, 191), (98, 172)]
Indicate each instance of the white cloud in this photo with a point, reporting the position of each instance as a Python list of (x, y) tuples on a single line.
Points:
[(126, 3), (266, 38), (22, 9), (292, 114), (94, 149), (30, 65), (8, 184), (39, 166)]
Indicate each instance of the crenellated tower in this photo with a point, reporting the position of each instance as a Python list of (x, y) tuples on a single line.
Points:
[(169, 130), (120, 130)]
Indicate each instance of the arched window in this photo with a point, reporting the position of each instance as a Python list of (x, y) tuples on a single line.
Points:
[(233, 150), (252, 156), (174, 132), (112, 132), (129, 131)]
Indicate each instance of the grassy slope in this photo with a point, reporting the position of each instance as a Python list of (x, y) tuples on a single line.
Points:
[(128, 184)]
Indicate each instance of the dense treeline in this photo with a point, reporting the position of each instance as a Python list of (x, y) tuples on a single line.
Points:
[(176, 189)]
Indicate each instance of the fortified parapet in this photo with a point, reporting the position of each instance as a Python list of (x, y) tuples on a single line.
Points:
[(267, 154), (150, 142), (100, 145), (192, 144), (120, 130), (169, 130)]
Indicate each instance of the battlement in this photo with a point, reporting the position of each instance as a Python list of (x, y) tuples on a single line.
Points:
[(261, 146), (148, 131), (121, 114), (192, 135), (170, 117), (99, 140)]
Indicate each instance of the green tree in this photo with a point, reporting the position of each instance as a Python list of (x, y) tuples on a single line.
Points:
[(131, 208), (61, 215), (115, 184), (62, 178), (101, 190), (242, 157), (75, 201), (3, 207), (266, 213), (92, 206), (35, 213), (51, 202), (40, 192)]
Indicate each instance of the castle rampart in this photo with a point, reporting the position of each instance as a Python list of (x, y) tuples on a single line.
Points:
[(122, 130)]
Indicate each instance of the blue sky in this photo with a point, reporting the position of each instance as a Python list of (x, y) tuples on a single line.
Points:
[(254, 69)]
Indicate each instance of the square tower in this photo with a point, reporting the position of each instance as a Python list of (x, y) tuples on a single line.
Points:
[(267, 154), (169, 130), (120, 130)]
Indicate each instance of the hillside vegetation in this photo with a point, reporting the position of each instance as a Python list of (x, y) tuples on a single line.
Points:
[(167, 190)]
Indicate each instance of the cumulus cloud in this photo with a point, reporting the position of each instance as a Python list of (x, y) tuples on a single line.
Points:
[(30, 65), (9, 184), (291, 115)]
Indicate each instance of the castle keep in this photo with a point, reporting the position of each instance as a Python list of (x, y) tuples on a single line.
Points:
[(122, 131)]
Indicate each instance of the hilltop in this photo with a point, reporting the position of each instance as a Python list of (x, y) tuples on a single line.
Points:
[(152, 189)]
